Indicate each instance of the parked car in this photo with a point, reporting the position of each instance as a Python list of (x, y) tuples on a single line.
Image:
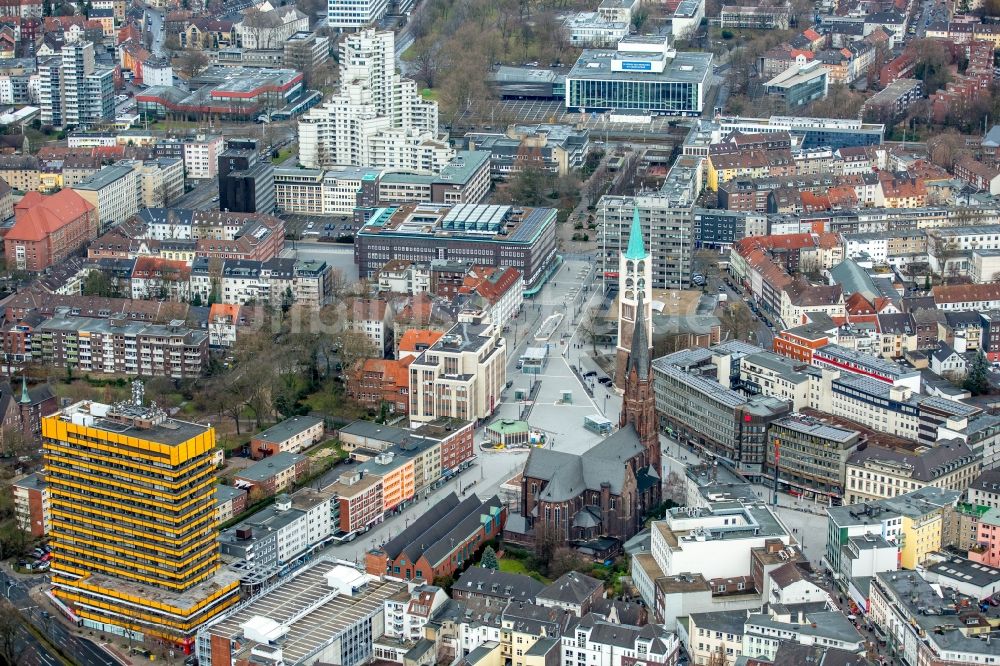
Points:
[(604, 380), (590, 373)]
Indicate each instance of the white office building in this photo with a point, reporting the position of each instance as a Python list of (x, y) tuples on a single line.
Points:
[(378, 119), (347, 14)]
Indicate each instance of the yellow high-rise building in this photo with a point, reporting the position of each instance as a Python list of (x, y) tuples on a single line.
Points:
[(134, 535)]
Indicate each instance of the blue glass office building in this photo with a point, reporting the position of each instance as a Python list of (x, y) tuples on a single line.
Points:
[(660, 83)]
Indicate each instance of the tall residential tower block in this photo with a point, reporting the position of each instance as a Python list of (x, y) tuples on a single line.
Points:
[(133, 521)]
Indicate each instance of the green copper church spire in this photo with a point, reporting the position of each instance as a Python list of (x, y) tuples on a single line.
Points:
[(636, 249), (25, 398)]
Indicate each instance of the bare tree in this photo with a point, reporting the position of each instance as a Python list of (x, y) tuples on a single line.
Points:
[(590, 329), (15, 443), (737, 320), (258, 26), (673, 489), (10, 628), (565, 559), (191, 62), (427, 60)]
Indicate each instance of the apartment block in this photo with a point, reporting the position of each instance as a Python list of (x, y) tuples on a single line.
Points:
[(292, 435), (161, 181), (667, 221), (274, 538), (74, 90), (120, 347), (377, 119), (112, 569), (201, 155), (175, 233), (907, 610), (697, 410), (459, 376), (31, 504), (115, 192), (877, 472), (273, 474), (810, 456), (913, 522)]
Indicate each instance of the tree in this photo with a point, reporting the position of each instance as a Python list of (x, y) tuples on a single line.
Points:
[(946, 148), (673, 489), (489, 559), (311, 8), (840, 102), (15, 443), (639, 19), (427, 60), (737, 320), (565, 559), (191, 62), (590, 329), (10, 629), (977, 382), (932, 64), (98, 284), (530, 185), (258, 26)]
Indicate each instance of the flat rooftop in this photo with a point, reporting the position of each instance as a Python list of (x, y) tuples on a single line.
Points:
[(683, 67), (477, 222), (99, 416), (462, 337), (104, 177), (310, 610), (190, 597)]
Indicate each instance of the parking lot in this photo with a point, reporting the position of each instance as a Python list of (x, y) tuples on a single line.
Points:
[(329, 228), (497, 114)]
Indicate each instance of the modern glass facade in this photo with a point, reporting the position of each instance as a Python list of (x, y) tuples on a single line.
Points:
[(653, 96), (804, 92)]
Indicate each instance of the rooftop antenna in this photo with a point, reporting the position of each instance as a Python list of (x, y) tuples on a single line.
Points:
[(138, 391)]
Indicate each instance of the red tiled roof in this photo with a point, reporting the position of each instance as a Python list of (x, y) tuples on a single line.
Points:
[(369, 309), (966, 293), (37, 216), (224, 311), (147, 267), (418, 336), (857, 304)]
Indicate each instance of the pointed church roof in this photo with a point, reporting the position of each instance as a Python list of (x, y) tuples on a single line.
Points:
[(25, 398), (636, 248), (638, 355)]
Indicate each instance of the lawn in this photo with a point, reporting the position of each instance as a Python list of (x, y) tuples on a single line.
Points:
[(511, 565), (168, 125), (429, 94), (284, 155)]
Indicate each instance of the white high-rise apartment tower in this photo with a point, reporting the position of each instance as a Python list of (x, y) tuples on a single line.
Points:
[(378, 119)]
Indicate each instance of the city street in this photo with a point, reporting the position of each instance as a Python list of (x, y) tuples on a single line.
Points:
[(154, 22), (47, 620), (563, 293)]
